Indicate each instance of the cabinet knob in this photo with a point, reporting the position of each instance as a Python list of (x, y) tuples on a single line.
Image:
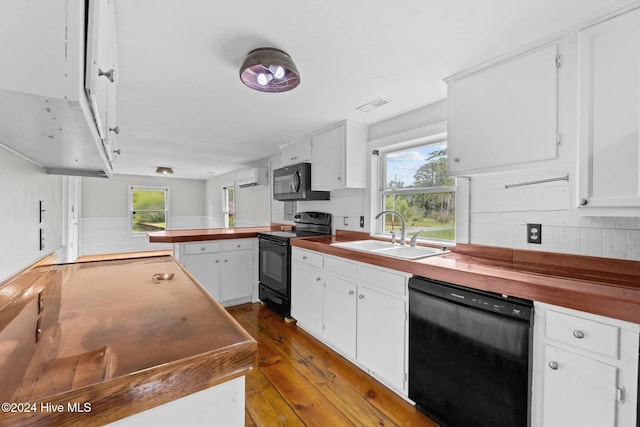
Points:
[(339, 178), (578, 334), (583, 202), (350, 292), (361, 296), (318, 279), (217, 261), (457, 160), (108, 74), (239, 245), (115, 130), (226, 260), (304, 257), (203, 249), (553, 365)]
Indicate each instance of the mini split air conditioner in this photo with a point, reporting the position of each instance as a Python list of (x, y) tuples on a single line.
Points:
[(252, 177)]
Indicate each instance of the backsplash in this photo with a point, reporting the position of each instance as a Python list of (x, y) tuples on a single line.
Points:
[(499, 217)]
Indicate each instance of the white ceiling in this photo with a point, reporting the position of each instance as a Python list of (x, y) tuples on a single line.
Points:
[(181, 102)]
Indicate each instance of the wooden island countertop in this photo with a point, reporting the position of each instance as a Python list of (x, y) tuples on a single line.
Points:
[(106, 334), (201, 234), (604, 286)]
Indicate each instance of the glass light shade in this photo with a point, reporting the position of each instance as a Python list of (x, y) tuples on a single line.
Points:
[(269, 70), (162, 170)]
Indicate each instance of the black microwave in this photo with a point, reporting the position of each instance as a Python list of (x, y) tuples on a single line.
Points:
[(294, 183)]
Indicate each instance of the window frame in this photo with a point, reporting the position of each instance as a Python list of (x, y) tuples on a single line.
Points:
[(382, 191), (131, 211), (226, 213)]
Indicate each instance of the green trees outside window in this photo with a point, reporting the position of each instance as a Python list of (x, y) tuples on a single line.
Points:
[(417, 186), (148, 209)]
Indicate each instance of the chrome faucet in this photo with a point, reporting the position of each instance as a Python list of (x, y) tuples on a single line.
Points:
[(414, 238), (403, 229)]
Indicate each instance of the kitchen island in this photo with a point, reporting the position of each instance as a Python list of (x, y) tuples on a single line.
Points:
[(96, 342)]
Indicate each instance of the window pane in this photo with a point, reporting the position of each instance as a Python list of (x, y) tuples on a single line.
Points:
[(230, 200), (148, 199), (431, 214), (424, 166), (144, 221)]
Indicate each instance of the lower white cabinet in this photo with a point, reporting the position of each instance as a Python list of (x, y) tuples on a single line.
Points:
[(358, 309), (585, 369), (226, 268), (307, 283)]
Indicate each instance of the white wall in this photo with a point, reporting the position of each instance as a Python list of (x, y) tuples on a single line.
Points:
[(104, 216), (23, 185), (252, 203)]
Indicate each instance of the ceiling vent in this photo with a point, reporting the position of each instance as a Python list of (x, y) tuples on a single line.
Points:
[(372, 105)]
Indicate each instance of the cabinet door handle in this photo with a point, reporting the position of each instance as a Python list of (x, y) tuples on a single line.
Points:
[(578, 334), (108, 74), (583, 202), (553, 365)]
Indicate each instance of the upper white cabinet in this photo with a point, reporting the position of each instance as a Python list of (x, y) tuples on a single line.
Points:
[(101, 74), (609, 117), (504, 114), (298, 152), (45, 114), (339, 157)]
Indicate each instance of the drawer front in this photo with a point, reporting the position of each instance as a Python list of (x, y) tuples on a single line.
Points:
[(237, 244), (382, 279), (310, 258), (347, 270), (201, 248), (583, 333)]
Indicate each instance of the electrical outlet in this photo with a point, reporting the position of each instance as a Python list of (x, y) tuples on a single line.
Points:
[(361, 221), (534, 233), (346, 221)]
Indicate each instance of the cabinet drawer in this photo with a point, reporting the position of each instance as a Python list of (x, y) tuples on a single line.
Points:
[(383, 279), (344, 269), (201, 248), (237, 245), (310, 258), (583, 333)]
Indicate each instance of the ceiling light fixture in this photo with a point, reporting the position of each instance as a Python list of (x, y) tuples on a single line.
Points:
[(164, 170), (268, 69)]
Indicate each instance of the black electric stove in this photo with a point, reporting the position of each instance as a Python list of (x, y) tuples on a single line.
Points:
[(275, 258)]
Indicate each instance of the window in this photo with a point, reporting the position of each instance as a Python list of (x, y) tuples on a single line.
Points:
[(148, 209), (228, 206), (414, 182)]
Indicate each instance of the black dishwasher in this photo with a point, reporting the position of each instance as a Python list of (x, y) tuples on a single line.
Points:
[(469, 355)]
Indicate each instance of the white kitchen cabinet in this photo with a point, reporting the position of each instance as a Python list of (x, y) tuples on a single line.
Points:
[(340, 304), (227, 269), (356, 308), (236, 270), (339, 157), (307, 290), (504, 114), (382, 324), (45, 114), (585, 369), (298, 152), (101, 75), (609, 117)]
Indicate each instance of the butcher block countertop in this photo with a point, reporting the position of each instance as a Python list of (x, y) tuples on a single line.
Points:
[(200, 234), (605, 286), (90, 343)]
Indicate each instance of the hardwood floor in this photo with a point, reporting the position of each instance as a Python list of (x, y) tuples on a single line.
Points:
[(301, 382)]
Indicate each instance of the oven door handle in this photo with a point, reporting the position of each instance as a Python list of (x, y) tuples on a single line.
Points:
[(268, 243)]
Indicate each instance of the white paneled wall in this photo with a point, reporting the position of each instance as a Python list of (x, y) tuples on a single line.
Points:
[(498, 217), (112, 235)]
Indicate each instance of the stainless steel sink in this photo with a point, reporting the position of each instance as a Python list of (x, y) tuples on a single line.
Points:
[(389, 249)]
